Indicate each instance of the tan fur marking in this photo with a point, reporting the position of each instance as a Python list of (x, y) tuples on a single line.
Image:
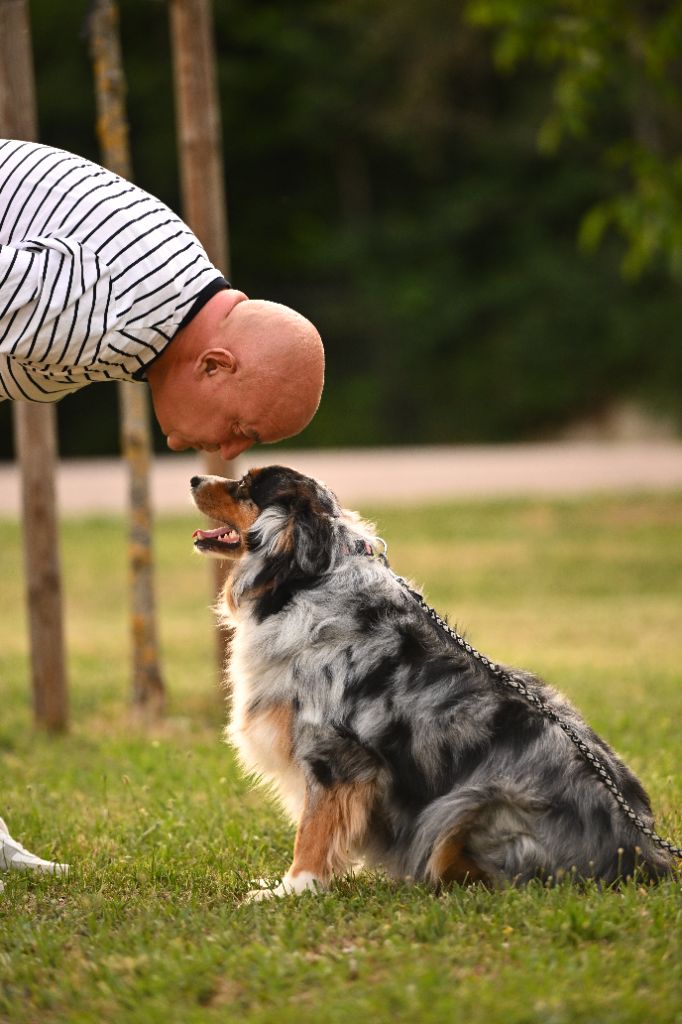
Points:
[(216, 503), (333, 820), (449, 862), (253, 593), (228, 595), (285, 540)]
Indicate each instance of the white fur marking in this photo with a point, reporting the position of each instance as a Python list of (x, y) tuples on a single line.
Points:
[(291, 885)]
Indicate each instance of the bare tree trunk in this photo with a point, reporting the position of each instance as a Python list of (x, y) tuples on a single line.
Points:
[(35, 425), (201, 168), (148, 690)]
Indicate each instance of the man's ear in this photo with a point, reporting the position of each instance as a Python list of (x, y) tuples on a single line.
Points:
[(213, 361)]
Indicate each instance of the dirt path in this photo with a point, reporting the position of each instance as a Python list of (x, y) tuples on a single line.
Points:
[(397, 475)]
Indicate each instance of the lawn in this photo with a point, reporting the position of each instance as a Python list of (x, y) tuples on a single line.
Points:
[(164, 837)]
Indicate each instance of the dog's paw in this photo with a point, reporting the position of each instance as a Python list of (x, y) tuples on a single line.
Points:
[(261, 894), (291, 885)]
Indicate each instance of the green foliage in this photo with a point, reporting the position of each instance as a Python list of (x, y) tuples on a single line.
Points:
[(616, 76), (383, 176), (164, 835)]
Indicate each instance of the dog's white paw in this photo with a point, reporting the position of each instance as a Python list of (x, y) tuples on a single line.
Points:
[(291, 885), (258, 895)]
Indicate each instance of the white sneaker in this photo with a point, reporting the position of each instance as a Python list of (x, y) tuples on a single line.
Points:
[(15, 856)]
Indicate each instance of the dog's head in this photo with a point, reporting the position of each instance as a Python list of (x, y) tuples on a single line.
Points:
[(282, 531)]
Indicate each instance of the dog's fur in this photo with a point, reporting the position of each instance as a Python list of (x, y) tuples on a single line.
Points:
[(386, 743)]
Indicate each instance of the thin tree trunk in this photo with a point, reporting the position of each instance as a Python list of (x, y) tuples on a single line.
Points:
[(201, 169), (35, 425), (148, 690)]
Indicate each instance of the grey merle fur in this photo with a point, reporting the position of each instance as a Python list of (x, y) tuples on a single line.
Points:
[(379, 694)]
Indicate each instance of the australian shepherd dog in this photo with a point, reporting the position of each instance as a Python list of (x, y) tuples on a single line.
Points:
[(386, 743)]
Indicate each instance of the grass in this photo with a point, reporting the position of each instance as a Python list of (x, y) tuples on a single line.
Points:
[(164, 837)]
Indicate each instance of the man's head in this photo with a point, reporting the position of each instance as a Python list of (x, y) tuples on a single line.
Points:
[(242, 371)]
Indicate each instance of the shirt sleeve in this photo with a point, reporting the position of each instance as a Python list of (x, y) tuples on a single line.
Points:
[(54, 296)]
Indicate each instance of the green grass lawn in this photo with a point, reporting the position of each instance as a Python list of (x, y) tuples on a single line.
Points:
[(164, 836)]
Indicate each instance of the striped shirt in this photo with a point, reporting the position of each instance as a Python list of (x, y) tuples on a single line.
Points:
[(96, 275)]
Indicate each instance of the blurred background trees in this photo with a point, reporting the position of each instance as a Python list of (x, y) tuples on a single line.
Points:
[(479, 204), (616, 73)]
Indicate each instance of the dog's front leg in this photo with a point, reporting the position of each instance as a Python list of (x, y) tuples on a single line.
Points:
[(334, 818)]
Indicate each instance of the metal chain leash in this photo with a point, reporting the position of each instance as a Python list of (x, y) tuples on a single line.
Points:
[(518, 686)]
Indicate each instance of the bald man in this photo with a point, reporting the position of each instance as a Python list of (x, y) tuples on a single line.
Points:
[(100, 281), (254, 369)]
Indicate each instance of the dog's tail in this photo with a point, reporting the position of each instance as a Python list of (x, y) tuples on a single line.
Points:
[(498, 833), (482, 833)]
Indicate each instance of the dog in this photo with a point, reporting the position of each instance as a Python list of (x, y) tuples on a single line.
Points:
[(386, 743)]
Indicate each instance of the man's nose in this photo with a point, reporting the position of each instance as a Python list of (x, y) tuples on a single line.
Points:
[(176, 444), (234, 448)]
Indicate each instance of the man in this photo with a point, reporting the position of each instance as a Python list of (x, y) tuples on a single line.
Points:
[(101, 281)]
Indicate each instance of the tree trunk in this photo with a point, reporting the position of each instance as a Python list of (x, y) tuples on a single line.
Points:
[(197, 112), (35, 425), (148, 690)]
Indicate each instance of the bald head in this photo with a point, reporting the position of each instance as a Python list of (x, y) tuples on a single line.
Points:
[(243, 370), (280, 356)]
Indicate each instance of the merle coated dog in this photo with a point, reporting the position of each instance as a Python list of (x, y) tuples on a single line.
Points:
[(387, 744)]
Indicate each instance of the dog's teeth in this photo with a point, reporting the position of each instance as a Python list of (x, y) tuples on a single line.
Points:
[(226, 533)]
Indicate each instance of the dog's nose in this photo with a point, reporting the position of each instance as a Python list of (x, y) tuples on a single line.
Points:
[(195, 481)]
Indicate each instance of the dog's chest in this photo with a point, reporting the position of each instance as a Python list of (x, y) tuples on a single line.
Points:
[(261, 730), (263, 736)]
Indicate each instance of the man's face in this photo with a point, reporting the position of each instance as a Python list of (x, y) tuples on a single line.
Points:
[(252, 412), (228, 450), (212, 427)]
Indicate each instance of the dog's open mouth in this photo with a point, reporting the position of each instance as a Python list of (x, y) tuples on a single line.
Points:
[(223, 539)]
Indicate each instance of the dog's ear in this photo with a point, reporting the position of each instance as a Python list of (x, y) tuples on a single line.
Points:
[(302, 541), (314, 523), (297, 536)]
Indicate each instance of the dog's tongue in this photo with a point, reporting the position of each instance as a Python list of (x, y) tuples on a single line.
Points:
[(222, 531)]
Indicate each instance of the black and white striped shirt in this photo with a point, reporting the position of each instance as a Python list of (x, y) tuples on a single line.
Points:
[(96, 275)]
